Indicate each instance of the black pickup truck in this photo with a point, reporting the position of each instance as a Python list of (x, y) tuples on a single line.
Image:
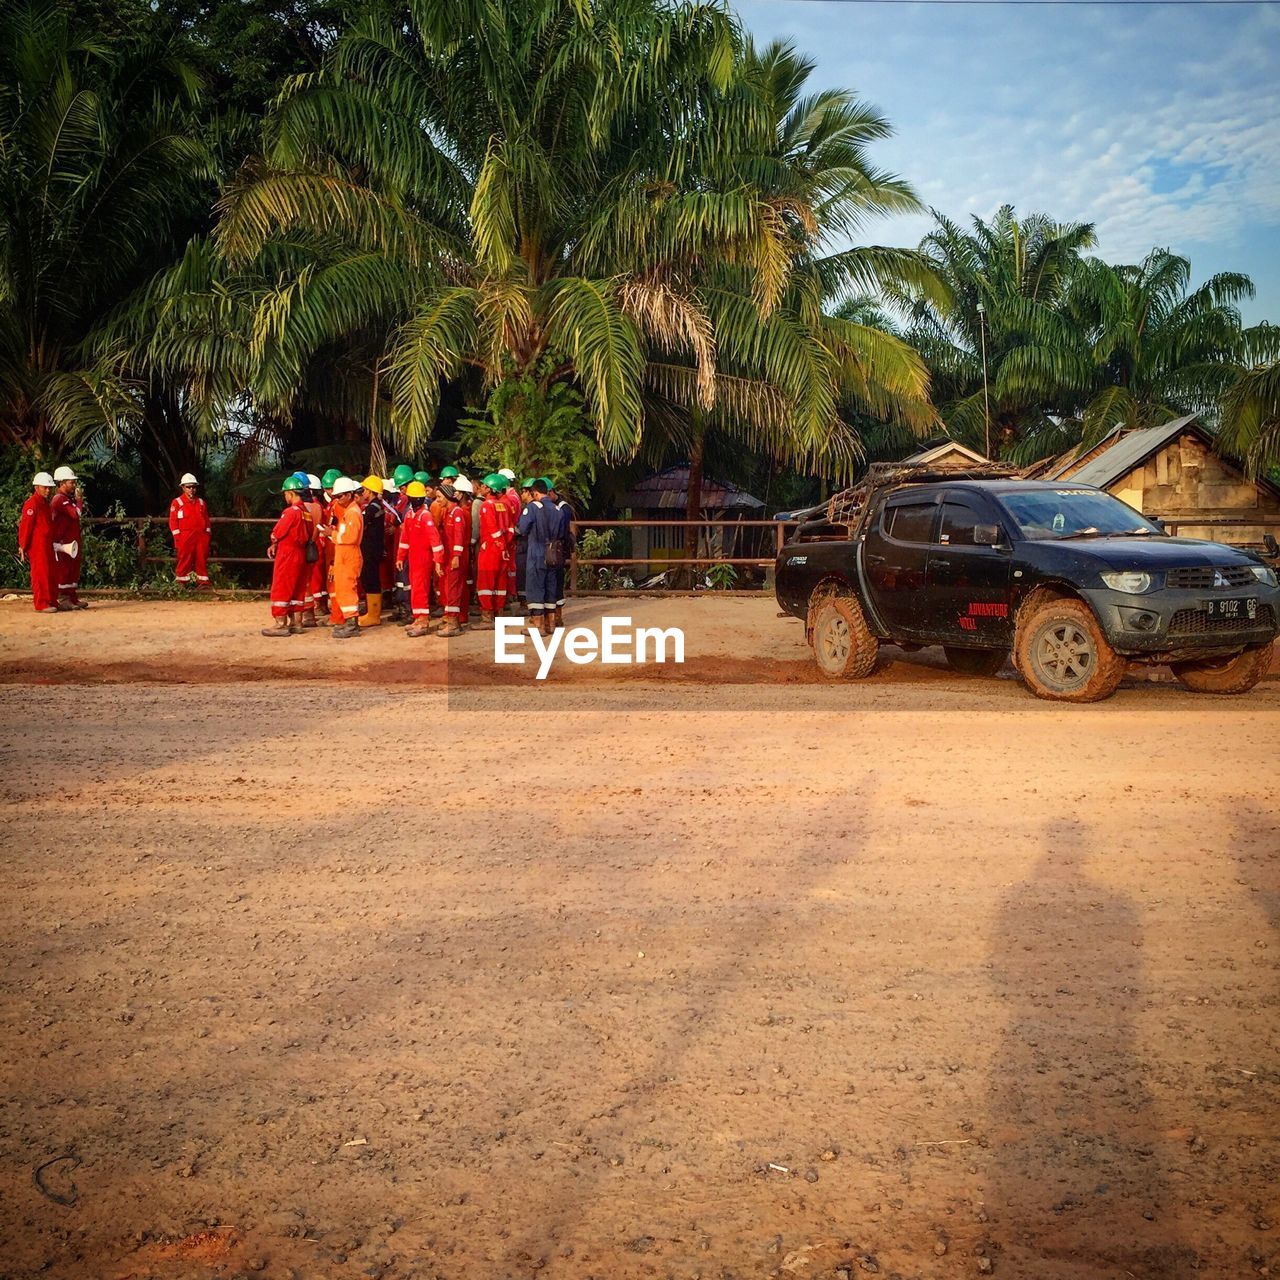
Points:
[(1070, 581)]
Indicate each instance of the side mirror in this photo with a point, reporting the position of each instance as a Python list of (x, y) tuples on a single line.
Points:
[(1272, 546), (986, 535)]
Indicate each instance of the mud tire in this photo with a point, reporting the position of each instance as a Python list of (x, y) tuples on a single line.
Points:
[(974, 662), (1063, 656), (1236, 674), (843, 646)]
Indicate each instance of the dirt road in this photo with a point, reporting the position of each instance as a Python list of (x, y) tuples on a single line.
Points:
[(919, 976)]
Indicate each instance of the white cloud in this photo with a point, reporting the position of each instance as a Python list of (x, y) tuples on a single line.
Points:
[(1081, 113)]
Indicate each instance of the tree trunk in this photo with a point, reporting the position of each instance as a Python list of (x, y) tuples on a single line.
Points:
[(693, 499)]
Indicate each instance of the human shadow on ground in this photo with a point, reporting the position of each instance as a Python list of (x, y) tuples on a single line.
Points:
[(1076, 1180)]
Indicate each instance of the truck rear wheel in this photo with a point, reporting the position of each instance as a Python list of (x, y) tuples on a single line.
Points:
[(1235, 674), (1062, 654), (843, 646), (974, 662)]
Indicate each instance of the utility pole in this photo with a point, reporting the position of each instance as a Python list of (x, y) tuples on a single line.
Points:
[(986, 397)]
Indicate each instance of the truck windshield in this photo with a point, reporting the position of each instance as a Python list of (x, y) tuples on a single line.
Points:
[(1073, 513)]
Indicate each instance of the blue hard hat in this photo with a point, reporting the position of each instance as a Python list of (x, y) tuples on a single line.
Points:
[(301, 475)]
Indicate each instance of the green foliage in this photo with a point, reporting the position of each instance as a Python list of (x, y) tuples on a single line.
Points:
[(103, 173), (535, 427), (596, 544), (722, 577)]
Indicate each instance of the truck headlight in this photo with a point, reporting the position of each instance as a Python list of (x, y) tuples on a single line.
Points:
[(1263, 574), (1128, 581)]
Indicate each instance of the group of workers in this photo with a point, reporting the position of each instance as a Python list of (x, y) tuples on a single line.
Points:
[(49, 541), (353, 553), (416, 549)]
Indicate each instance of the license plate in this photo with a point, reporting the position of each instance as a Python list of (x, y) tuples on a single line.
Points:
[(1245, 609)]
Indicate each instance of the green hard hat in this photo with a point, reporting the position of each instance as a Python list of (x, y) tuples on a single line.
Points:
[(547, 480), (423, 477), (527, 482), (329, 477), (498, 483), (292, 485), (448, 473), (402, 474)]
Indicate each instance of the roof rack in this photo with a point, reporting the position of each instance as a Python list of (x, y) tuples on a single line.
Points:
[(847, 506)]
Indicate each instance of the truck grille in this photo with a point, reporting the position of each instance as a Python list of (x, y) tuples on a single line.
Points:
[(1208, 577), (1195, 622)]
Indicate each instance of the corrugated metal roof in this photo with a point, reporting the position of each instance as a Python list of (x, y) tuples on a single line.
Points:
[(668, 491), (1128, 452)]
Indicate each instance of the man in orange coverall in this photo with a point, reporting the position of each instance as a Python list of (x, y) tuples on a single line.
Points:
[(423, 552), (35, 545), (347, 560), (290, 572)]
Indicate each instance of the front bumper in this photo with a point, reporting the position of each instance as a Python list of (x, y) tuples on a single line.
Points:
[(1176, 621)]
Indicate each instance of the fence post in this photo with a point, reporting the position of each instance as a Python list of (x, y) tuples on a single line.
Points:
[(141, 526)]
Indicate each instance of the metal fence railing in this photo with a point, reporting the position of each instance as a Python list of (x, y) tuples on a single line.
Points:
[(657, 548)]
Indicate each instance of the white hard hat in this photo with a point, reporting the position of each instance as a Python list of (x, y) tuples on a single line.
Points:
[(463, 485), (313, 482), (506, 471), (390, 486), (345, 484), (188, 478), (64, 473), (44, 479)]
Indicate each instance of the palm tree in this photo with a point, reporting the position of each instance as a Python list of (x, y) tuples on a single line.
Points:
[(596, 192), (1250, 406), (1003, 288), (101, 171), (1158, 349)]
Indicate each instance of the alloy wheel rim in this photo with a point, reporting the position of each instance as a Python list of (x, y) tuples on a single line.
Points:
[(1064, 655), (835, 641)]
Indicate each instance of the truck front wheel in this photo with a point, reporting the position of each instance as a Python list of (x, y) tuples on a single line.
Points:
[(843, 645), (1236, 674), (1062, 654)]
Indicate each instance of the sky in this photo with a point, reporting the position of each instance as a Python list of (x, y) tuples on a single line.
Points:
[(1158, 123)]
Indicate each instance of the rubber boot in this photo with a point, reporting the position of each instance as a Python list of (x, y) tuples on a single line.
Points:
[(373, 612), (345, 630), (559, 618), (278, 627), (295, 624)]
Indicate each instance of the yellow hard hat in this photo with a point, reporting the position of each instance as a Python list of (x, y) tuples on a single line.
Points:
[(415, 489), (372, 483)]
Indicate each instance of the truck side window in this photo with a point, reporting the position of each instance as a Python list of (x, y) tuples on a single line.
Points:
[(911, 522), (956, 529)]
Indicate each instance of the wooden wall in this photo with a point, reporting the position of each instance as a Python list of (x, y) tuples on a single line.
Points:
[(1188, 485)]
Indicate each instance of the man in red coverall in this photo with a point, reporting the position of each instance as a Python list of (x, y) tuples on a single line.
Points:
[(457, 550), (189, 524), (65, 510), (421, 548), (290, 572), (35, 545), (494, 551), (511, 496)]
